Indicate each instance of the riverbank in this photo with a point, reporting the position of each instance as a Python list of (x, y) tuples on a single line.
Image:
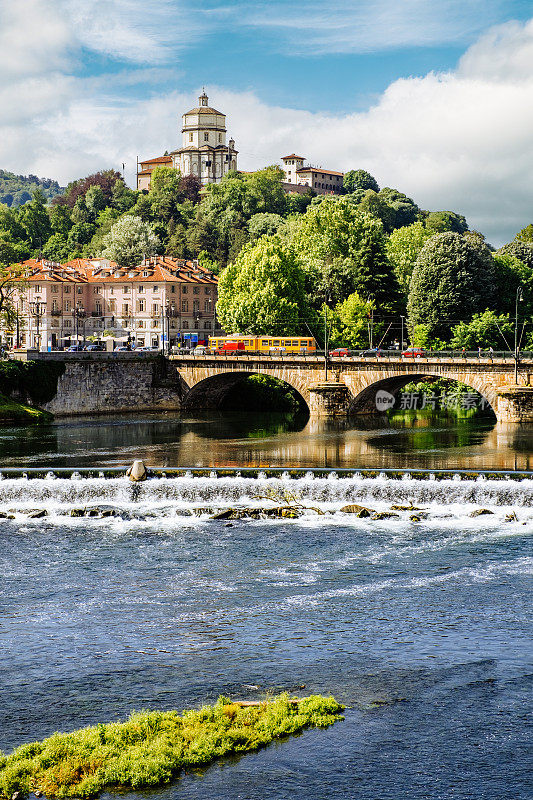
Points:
[(12, 412)]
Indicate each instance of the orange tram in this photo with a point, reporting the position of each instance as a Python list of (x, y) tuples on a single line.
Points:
[(262, 344)]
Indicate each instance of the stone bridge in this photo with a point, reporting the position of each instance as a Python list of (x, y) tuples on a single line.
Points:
[(352, 385)]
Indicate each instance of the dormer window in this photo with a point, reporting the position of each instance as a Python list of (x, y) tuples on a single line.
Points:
[(206, 137)]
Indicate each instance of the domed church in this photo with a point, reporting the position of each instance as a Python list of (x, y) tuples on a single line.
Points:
[(204, 152)]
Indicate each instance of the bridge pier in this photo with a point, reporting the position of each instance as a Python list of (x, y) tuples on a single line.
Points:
[(329, 399), (515, 404)]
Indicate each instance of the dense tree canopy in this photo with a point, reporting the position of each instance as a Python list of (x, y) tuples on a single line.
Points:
[(263, 290), (453, 279), (359, 179), (484, 330), (129, 240), (403, 247), (343, 251)]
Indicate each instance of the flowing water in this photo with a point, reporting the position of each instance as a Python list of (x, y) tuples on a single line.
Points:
[(420, 627)]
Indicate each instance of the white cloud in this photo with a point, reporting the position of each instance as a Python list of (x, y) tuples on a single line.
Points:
[(460, 141), (345, 26)]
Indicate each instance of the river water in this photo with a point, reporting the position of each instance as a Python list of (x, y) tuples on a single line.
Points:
[(421, 628)]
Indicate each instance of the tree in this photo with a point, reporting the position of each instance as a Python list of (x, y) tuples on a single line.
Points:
[(484, 330), (522, 250), (94, 201), (264, 225), (509, 274), (262, 291), (343, 251), (526, 234), (442, 221), (60, 221), (403, 247), (129, 240), (81, 233), (122, 197), (349, 321), (34, 219), (12, 281), (359, 179), (452, 280), (57, 248), (80, 212), (405, 210), (105, 179)]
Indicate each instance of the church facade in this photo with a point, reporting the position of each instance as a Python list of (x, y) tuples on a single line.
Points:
[(204, 152)]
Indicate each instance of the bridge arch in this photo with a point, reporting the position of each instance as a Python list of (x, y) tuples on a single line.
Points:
[(364, 396), (209, 393)]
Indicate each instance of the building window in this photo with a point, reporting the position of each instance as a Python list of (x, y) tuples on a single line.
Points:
[(184, 305), (172, 289), (67, 289), (126, 309), (185, 324), (68, 306), (184, 290), (125, 289), (66, 323), (207, 305), (111, 290), (96, 289), (196, 306), (140, 324), (154, 323), (54, 288), (190, 137), (98, 307), (113, 306), (206, 137), (208, 324), (155, 288), (196, 290), (54, 305), (80, 289), (196, 325), (207, 290), (141, 305), (140, 289), (36, 289), (219, 137)]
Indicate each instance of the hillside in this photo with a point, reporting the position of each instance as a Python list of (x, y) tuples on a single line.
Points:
[(15, 190)]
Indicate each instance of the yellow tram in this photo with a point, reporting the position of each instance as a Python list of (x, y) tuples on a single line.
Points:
[(262, 344)]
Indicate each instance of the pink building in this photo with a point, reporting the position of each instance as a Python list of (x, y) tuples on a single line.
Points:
[(161, 302)]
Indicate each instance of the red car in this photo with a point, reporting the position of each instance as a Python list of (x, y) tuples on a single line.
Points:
[(414, 352)]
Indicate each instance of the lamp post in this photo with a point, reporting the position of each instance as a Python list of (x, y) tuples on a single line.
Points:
[(326, 341), (402, 319), (37, 311), (78, 312), (519, 296)]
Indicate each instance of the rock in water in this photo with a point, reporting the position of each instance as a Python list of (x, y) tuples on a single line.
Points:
[(359, 511), (137, 472)]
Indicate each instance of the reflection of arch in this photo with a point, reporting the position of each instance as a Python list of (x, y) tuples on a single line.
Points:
[(210, 392), (364, 400)]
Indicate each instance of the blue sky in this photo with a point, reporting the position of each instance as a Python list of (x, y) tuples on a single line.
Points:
[(434, 98)]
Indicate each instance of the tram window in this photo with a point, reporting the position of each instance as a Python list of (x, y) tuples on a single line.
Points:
[(264, 342), (294, 343), (276, 342), (287, 343)]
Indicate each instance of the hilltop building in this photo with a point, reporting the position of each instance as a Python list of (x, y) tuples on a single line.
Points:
[(203, 152), (159, 303), (320, 180)]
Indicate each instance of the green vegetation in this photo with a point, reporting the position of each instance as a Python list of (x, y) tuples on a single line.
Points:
[(11, 411), (153, 746), (15, 190), (35, 379), (282, 258)]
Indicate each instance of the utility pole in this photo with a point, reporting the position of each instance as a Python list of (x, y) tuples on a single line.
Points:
[(326, 342), (519, 296)]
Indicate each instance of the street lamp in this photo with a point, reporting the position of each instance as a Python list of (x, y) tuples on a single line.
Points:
[(78, 313), (519, 296), (402, 319), (37, 311)]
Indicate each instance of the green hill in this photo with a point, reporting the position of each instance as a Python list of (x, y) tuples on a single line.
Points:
[(15, 190)]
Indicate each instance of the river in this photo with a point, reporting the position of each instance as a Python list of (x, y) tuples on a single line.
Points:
[(420, 626)]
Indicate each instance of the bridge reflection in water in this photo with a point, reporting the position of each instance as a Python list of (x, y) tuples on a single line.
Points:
[(424, 440)]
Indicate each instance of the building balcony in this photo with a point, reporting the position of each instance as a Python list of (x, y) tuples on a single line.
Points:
[(56, 312)]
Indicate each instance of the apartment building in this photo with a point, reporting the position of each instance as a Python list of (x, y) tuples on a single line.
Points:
[(162, 302)]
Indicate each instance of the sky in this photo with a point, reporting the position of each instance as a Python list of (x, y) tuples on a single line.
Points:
[(432, 97)]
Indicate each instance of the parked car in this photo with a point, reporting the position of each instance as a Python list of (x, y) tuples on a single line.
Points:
[(373, 352), (75, 348), (201, 350), (343, 352), (148, 349), (95, 348), (414, 352)]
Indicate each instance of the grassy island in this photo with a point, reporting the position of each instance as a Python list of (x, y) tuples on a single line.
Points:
[(151, 747)]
